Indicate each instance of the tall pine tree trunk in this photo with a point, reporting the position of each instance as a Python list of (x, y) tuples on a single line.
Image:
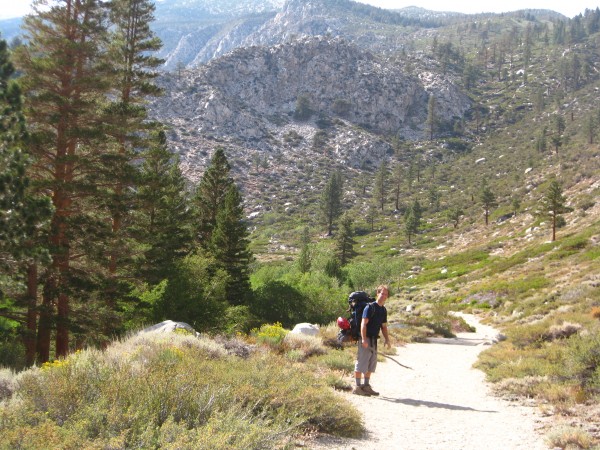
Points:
[(30, 336)]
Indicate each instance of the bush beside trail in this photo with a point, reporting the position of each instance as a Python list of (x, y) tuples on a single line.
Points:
[(169, 391)]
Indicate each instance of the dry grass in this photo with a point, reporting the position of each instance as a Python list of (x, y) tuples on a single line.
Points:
[(170, 391), (567, 437)]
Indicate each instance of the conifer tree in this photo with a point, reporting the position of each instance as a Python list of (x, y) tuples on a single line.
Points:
[(344, 242), (488, 201), (65, 80), (304, 259), (554, 204), (591, 128), (432, 119), (412, 220), (372, 216), (210, 195), (380, 187), (454, 214), (397, 179), (133, 72), (229, 246), (162, 220), (22, 214), (331, 201)]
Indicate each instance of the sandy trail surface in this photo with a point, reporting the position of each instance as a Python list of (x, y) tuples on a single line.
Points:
[(442, 403)]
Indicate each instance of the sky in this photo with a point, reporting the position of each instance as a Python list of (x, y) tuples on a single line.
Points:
[(16, 8)]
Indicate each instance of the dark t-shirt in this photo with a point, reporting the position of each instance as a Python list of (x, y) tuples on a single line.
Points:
[(376, 318)]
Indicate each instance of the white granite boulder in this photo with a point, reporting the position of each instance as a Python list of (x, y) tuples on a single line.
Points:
[(169, 326), (306, 328)]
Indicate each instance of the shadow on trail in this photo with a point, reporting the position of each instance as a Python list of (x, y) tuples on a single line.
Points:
[(459, 341), (414, 402)]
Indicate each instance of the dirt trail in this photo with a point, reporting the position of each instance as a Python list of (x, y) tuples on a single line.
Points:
[(443, 403)]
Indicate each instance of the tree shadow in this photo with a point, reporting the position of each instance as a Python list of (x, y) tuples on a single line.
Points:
[(428, 404), (459, 341)]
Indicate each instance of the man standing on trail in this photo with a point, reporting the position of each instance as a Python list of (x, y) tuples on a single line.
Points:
[(374, 318)]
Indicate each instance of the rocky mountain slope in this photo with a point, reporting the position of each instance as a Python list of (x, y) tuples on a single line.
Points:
[(249, 98), (205, 31)]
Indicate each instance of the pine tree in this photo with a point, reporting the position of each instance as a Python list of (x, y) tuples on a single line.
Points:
[(432, 120), (305, 259), (488, 200), (397, 179), (331, 201), (162, 220), (372, 213), (380, 187), (344, 242), (22, 214), (412, 220), (66, 80), (229, 245), (210, 195), (131, 45), (554, 204), (434, 198), (591, 128), (454, 214)]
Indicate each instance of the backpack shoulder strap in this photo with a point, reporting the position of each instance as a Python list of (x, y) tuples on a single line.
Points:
[(371, 312)]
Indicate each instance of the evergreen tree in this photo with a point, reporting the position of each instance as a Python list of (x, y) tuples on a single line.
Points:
[(162, 220), (331, 201), (133, 71), (541, 144), (229, 245), (412, 220), (591, 128), (554, 204), (380, 187), (454, 214), (372, 215), (344, 243), (488, 201), (434, 198), (65, 78), (22, 214), (559, 123), (557, 142), (516, 204), (210, 195), (305, 259), (397, 180), (432, 120)]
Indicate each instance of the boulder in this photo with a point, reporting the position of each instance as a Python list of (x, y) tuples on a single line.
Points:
[(169, 326), (306, 328)]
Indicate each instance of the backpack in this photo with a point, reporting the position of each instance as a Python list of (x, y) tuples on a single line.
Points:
[(357, 302)]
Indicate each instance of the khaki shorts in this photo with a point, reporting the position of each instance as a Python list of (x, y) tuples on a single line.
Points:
[(366, 360)]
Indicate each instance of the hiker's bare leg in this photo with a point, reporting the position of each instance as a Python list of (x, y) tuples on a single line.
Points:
[(360, 374)]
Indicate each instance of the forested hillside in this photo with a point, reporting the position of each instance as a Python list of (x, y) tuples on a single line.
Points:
[(454, 158)]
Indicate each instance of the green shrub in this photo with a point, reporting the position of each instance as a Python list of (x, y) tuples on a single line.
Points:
[(583, 361), (170, 391), (270, 335), (338, 360)]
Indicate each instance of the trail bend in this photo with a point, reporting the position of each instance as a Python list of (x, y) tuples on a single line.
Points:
[(442, 403)]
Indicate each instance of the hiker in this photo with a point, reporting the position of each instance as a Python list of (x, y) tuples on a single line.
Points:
[(374, 318)]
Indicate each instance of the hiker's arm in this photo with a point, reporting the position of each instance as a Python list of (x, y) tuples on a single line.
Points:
[(386, 336), (363, 332)]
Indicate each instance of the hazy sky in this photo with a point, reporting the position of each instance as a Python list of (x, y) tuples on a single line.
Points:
[(16, 8)]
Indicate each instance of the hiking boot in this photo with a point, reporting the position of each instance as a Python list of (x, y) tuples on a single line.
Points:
[(368, 389), (358, 390)]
